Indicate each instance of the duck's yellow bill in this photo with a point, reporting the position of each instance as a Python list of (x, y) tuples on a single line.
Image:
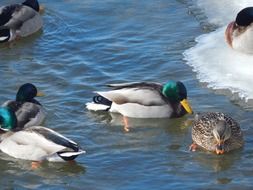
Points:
[(39, 94), (41, 9), (186, 106)]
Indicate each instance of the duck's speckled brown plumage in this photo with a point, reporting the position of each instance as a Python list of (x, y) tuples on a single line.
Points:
[(202, 134)]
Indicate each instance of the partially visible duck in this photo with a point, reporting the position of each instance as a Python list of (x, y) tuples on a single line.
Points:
[(19, 20), (143, 100), (34, 143), (29, 111), (216, 132), (239, 33)]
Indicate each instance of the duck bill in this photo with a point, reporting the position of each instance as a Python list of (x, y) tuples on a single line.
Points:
[(220, 148), (229, 32), (40, 94), (41, 9), (186, 106)]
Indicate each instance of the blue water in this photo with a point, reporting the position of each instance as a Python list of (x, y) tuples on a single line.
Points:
[(87, 44)]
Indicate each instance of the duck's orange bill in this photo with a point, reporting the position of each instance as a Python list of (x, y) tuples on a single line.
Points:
[(220, 148)]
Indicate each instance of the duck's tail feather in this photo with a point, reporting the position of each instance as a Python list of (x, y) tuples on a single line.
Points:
[(4, 34), (99, 103), (68, 155)]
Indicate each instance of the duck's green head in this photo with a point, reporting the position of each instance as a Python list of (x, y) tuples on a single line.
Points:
[(27, 92), (176, 92), (8, 120)]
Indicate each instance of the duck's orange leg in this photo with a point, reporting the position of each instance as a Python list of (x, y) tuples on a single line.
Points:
[(193, 147), (36, 164), (125, 122)]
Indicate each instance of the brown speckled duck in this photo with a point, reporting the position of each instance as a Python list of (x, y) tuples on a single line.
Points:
[(216, 132)]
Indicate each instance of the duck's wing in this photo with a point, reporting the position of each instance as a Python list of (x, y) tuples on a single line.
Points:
[(53, 137), (6, 13), (71, 149), (143, 93), (28, 114), (202, 129), (151, 85)]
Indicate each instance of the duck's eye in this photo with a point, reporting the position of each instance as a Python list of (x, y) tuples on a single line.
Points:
[(182, 95)]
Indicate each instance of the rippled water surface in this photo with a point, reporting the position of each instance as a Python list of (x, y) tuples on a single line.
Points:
[(87, 44)]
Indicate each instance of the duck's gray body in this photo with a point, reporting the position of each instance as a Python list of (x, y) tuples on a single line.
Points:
[(28, 114)]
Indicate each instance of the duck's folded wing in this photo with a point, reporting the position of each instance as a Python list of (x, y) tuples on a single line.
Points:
[(19, 15), (6, 13), (53, 137), (151, 85), (140, 93)]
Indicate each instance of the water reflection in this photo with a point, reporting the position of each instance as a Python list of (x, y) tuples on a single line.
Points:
[(174, 125), (48, 170), (215, 162)]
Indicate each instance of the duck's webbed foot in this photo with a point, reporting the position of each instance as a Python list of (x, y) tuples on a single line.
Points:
[(193, 147)]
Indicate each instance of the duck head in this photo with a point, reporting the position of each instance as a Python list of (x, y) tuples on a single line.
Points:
[(221, 133), (27, 92), (33, 4), (176, 92), (239, 33), (8, 120)]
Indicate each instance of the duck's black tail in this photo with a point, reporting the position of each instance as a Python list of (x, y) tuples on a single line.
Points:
[(99, 103)]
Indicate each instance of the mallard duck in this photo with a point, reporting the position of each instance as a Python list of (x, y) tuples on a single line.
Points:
[(143, 100), (239, 33), (34, 143), (19, 20), (216, 132), (29, 112)]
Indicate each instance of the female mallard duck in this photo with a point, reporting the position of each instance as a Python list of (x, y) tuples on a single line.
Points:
[(216, 132), (29, 112), (239, 33), (34, 143), (144, 100), (19, 20)]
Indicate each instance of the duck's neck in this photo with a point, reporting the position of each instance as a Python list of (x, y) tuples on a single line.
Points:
[(178, 110), (31, 101)]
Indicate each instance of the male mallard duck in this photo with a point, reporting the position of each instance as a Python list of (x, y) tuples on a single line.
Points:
[(19, 20), (216, 132), (239, 33), (34, 143), (29, 112), (144, 100)]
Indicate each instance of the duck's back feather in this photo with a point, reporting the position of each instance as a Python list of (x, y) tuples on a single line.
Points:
[(151, 85), (147, 94), (53, 136)]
